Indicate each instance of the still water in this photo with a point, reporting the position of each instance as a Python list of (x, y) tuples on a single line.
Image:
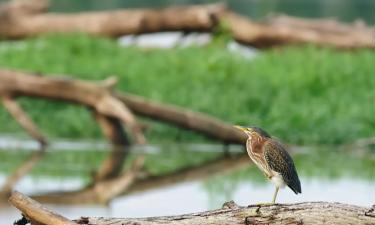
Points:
[(327, 174), (194, 196)]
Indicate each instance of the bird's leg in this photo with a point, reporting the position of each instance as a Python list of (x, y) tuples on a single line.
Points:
[(274, 195)]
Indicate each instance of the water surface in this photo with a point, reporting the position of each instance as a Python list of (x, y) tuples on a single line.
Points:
[(327, 174)]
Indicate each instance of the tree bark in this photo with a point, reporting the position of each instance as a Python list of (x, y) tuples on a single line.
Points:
[(297, 213), (271, 32)]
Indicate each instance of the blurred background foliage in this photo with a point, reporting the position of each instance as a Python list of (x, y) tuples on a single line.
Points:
[(345, 10), (303, 95)]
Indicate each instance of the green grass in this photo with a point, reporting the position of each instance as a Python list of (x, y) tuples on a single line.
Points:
[(303, 95)]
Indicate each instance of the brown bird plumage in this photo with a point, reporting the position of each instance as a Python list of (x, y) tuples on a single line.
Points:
[(272, 158)]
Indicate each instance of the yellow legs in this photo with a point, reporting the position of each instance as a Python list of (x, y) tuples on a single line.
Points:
[(274, 195)]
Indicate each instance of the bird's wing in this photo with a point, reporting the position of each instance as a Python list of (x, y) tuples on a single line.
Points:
[(279, 160)]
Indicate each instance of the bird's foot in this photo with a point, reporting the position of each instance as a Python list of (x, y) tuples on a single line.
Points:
[(249, 216)]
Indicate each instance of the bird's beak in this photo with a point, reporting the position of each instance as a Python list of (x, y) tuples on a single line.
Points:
[(240, 128)]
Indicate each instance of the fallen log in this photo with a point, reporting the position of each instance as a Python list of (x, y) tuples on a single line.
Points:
[(97, 96), (111, 23), (101, 97), (35, 212), (110, 109), (184, 118), (271, 32), (297, 213), (268, 34)]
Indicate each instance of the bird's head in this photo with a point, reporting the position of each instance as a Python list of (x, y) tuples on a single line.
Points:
[(254, 132)]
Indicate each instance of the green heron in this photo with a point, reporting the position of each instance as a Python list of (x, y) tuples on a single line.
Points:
[(272, 159)]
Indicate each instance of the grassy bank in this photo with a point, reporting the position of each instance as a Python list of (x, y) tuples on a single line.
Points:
[(303, 95)]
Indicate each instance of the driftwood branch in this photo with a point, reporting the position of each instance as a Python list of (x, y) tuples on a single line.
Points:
[(37, 213), (110, 110), (277, 30), (184, 118), (297, 213), (114, 23), (111, 104), (25, 121), (96, 96)]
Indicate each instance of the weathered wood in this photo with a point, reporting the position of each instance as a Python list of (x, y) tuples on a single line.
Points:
[(37, 213), (97, 96), (328, 25), (110, 104), (297, 213), (268, 34), (184, 118), (112, 23), (271, 32)]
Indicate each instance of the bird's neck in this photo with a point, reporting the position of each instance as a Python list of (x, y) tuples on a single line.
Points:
[(254, 143)]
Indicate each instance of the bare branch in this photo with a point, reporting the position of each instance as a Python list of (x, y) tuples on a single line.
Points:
[(24, 120), (297, 213), (113, 131), (86, 93), (36, 212)]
